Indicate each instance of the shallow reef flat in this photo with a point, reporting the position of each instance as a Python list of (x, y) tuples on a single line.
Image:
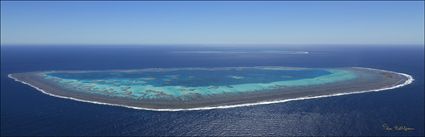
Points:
[(207, 88)]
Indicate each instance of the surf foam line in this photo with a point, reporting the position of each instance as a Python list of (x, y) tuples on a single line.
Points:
[(407, 82)]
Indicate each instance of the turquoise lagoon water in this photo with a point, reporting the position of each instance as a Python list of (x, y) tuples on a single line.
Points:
[(185, 83)]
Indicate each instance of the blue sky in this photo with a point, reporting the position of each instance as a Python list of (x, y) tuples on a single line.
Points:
[(138, 23)]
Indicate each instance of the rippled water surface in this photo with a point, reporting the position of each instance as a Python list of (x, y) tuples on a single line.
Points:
[(25, 111)]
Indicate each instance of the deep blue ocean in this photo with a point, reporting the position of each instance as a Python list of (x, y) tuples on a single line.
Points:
[(26, 111)]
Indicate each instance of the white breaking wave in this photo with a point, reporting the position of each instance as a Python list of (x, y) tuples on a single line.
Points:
[(407, 82)]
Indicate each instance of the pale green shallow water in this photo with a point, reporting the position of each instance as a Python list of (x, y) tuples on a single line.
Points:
[(151, 85)]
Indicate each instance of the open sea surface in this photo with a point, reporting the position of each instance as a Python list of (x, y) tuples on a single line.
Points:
[(26, 111)]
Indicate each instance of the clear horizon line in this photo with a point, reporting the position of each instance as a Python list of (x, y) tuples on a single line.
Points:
[(226, 44)]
